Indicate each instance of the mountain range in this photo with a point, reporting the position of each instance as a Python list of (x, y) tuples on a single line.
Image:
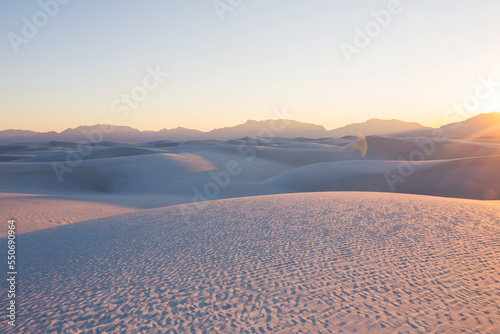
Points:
[(480, 126)]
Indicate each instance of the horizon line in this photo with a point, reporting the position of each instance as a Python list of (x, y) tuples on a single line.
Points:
[(249, 120)]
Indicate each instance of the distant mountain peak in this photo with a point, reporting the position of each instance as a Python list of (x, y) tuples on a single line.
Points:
[(480, 126), (376, 126)]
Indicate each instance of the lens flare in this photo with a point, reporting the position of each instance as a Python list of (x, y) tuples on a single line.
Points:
[(361, 145)]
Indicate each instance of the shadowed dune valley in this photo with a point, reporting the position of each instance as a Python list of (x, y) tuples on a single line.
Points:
[(250, 167)]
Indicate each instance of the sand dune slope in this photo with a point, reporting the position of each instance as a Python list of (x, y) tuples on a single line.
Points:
[(462, 178), (35, 212), (296, 263)]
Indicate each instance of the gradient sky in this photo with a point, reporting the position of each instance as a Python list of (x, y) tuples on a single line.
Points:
[(263, 55)]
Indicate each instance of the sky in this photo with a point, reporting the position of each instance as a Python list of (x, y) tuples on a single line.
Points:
[(220, 63)]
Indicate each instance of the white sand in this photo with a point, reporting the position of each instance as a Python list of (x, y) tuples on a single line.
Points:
[(298, 263), (120, 177), (35, 212)]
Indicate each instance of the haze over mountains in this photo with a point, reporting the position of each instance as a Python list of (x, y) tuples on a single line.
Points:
[(480, 126)]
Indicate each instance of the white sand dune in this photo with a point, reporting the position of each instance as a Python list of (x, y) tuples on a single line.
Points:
[(94, 154), (385, 148), (131, 176), (108, 175), (298, 263), (35, 212), (463, 178), (176, 170)]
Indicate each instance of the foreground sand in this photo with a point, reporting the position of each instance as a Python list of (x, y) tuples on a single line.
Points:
[(297, 263)]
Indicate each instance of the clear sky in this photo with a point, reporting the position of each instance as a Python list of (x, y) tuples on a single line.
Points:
[(263, 55)]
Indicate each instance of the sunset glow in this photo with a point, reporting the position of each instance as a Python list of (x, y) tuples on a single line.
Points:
[(261, 56)]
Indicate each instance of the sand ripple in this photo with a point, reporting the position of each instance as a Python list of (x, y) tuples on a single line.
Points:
[(299, 263)]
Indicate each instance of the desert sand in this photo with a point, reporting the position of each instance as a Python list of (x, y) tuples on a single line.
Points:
[(120, 177), (256, 235), (36, 211), (337, 262)]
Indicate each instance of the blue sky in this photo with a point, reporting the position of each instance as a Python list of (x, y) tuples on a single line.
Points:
[(263, 55)]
